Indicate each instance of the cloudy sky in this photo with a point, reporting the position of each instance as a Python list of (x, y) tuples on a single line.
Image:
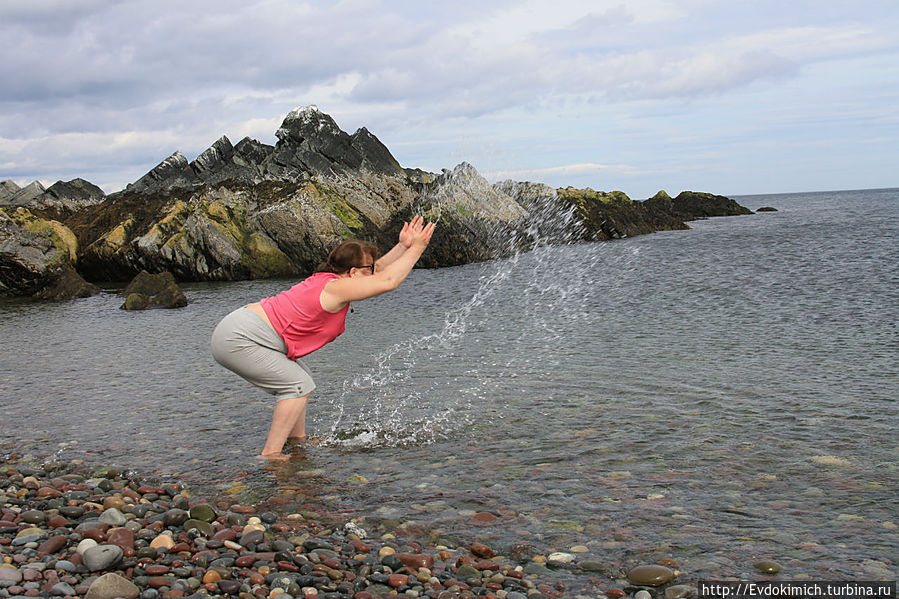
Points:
[(727, 96)]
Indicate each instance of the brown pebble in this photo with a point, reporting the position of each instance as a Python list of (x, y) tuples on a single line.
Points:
[(650, 575), (58, 521), (48, 493), (156, 570), (397, 580), (53, 544), (226, 534), (416, 560), (484, 519), (288, 567), (113, 502), (160, 581), (95, 534), (162, 542), (211, 576), (242, 509), (482, 550), (245, 561), (667, 562), (122, 537)]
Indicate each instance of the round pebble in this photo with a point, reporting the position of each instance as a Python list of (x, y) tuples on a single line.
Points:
[(767, 567), (650, 575)]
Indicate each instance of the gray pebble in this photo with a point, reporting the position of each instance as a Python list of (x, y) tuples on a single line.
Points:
[(113, 517), (102, 557), (10, 575), (62, 589), (32, 538)]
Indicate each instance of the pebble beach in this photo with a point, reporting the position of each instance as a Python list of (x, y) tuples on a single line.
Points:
[(67, 530)]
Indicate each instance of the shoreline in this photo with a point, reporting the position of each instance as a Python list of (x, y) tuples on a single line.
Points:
[(72, 530)]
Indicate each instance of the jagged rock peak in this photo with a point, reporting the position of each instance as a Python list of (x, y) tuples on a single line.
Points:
[(76, 192), (375, 155), (307, 121), (253, 151), (28, 194), (174, 163), (218, 153), (661, 195), (470, 193), (7, 189), (173, 172)]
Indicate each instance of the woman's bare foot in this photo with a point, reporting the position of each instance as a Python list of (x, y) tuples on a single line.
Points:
[(273, 456)]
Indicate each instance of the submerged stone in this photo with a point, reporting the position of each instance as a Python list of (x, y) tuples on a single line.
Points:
[(650, 575), (767, 567)]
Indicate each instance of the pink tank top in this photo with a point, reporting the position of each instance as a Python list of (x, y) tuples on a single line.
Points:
[(298, 316)]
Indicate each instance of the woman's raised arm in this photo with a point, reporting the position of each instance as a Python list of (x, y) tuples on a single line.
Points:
[(339, 292)]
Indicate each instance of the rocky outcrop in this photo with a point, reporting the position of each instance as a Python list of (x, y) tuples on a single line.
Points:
[(34, 252), (68, 285), (62, 195), (253, 210), (694, 205), (7, 190), (148, 291), (613, 215)]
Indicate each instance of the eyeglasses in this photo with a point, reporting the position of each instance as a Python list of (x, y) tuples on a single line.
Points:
[(371, 266)]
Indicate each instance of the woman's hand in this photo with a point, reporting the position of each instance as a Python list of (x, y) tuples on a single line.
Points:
[(420, 233), (406, 233)]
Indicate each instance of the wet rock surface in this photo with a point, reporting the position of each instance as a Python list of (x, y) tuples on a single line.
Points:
[(147, 291)]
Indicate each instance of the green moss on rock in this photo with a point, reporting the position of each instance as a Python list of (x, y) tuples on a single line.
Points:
[(264, 259)]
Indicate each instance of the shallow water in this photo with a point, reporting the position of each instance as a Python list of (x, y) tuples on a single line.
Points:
[(718, 396)]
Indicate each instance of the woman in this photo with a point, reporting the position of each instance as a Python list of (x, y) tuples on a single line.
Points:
[(262, 341)]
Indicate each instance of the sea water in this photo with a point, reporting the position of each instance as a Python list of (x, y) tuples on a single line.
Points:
[(717, 396)]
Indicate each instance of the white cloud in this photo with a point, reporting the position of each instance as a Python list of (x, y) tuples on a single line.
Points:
[(569, 82), (565, 170)]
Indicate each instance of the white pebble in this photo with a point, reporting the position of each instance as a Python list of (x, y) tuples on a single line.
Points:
[(565, 558), (643, 595), (84, 545)]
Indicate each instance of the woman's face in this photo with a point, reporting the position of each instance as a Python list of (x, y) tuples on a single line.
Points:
[(365, 268)]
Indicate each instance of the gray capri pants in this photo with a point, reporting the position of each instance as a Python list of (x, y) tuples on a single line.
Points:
[(246, 345)]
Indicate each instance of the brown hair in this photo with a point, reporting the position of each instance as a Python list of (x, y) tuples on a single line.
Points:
[(347, 255)]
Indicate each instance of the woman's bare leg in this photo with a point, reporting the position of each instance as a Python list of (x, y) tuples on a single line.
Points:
[(298, 432), (287, 414)]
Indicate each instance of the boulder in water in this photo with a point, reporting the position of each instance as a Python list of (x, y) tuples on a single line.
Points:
[(147, 291), (69, 285)]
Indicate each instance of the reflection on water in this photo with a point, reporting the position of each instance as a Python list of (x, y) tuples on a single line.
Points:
[(717, 396)]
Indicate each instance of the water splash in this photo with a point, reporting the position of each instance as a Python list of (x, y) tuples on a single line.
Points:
[(410, 397)]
